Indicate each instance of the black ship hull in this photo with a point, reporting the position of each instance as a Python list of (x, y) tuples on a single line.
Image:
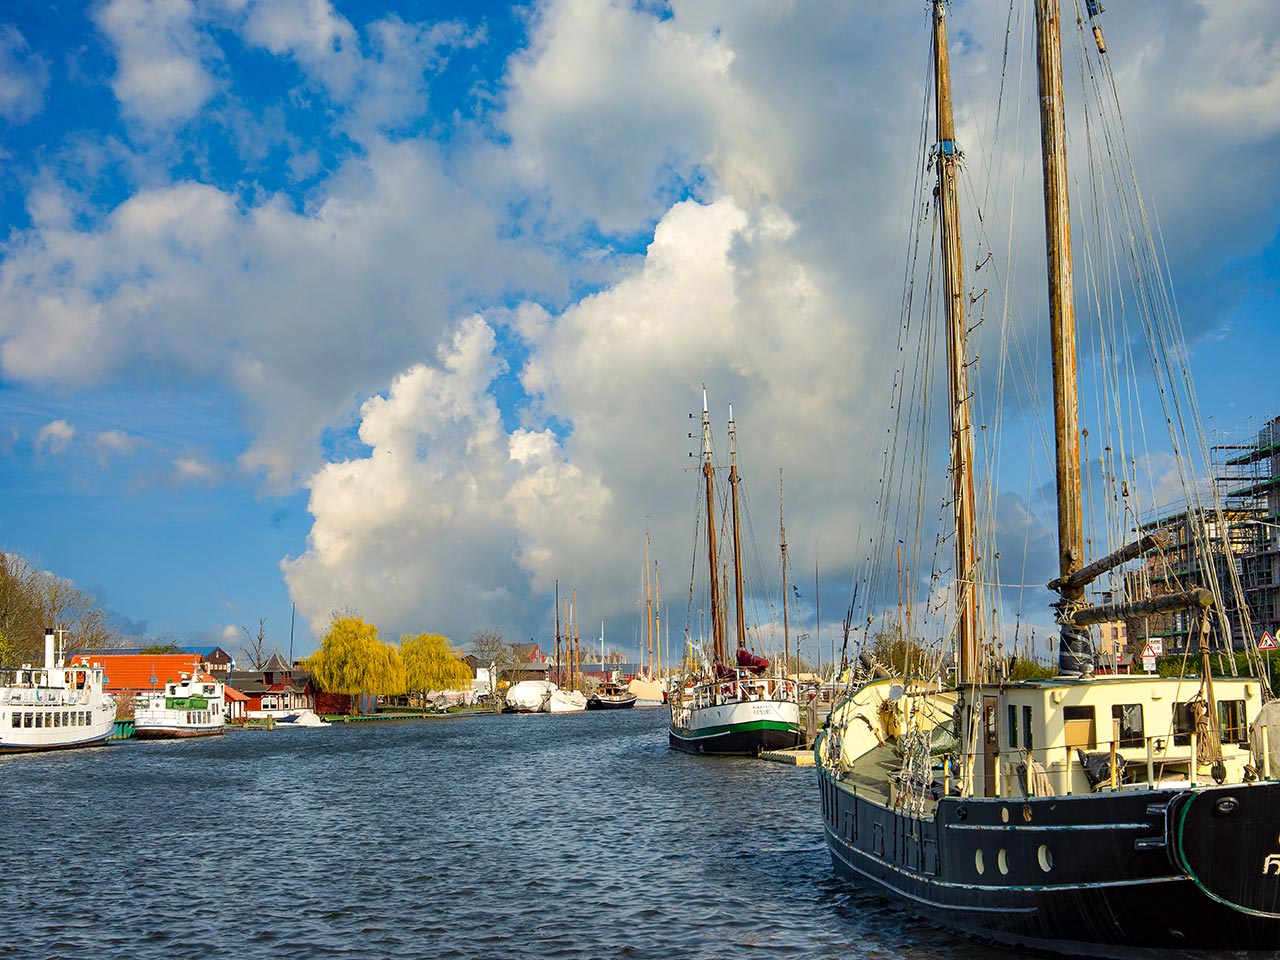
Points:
[(738, 740), (1172, 873), (610, 703)]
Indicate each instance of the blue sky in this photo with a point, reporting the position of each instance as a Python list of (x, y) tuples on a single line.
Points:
[(402, 307)]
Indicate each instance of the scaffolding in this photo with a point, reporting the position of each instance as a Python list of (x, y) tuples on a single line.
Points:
[(1248, 478)]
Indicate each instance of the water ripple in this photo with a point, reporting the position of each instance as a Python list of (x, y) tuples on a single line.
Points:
[(561, 837)]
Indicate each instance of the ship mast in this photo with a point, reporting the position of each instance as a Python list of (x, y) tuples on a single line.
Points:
[(737, 531), (577, 660), (1074, 652), (786, 622), (559, 662), (947, 157), (648, 604), (657, 620), (717, 628)]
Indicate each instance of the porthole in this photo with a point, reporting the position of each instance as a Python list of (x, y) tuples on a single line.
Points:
[(1002, 861), (1045, 858), (1004, 814), (978, 863)]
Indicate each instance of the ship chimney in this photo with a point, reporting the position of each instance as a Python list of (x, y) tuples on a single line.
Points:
[(48, 648)]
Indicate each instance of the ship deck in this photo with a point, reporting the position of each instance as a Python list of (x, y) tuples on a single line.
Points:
[(873, 776)]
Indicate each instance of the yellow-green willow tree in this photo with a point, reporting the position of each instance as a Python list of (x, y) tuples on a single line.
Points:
[(430, 664), (352, 660)]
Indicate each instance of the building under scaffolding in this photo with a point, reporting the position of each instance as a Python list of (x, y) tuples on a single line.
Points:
[(1248, 477), (1244, 543), (1182, 564)]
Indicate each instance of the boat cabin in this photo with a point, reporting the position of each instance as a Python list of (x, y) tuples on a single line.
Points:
[(1070, 729)]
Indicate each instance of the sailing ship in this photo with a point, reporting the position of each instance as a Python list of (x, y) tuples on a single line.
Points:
[(722, 707), (565, 696), (192, 706), (55, 706), (1084, 813), (647, 685), (610, 693)]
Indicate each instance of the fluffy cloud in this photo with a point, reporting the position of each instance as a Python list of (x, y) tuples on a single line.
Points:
[(24, 76), (425, 530), (161, 77), (298, 311), (54, 437)]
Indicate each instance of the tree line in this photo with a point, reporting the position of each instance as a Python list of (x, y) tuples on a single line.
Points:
[(352, 659), (32, 600)]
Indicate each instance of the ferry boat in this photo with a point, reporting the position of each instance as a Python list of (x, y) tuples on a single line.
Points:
[(54, 707), (193, 706)]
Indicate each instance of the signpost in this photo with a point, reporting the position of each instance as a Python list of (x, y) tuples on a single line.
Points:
[(1268, 643)]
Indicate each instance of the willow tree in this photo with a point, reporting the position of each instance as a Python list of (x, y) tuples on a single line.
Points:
[(352, 660), (430, 664)]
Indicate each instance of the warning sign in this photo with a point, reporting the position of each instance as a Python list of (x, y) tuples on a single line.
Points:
[(1149, 652), (1268, 642)]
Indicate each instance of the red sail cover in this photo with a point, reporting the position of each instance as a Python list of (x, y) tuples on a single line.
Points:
[(749, 661)]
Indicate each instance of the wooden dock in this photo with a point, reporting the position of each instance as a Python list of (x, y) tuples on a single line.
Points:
[(801, 757)]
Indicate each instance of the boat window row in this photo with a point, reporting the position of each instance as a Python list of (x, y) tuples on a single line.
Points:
[(1081, 728), (22, 719)]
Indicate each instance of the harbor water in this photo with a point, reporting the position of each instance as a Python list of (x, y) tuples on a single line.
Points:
[(549, 836)]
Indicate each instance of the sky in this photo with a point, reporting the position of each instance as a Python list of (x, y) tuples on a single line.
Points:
[(402, 308)]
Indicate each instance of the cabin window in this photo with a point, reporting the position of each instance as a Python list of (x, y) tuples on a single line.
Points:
[(1129, 716), (27, 721), (1183, 724), (1026, 727), (1080, 729), (1231, 721), (39, 720), (1013, 727), (16, 720)]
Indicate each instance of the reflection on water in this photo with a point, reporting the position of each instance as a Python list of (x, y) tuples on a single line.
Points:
[(567, 836)]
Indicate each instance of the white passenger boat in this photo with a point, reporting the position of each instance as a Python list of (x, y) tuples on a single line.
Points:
[(54, 707), (190, 707)]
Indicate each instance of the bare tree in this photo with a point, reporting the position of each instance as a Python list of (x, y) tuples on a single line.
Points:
[(255, 649), (490, 647)]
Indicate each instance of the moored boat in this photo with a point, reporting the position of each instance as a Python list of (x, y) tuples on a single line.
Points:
[(54, 707), (719, 708), (1083, 813), (611, 695), (192, 706), (566, 701), (529, 696)]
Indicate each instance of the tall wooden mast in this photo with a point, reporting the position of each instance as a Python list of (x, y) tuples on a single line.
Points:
[(947, 159), (559, 662), (737, 532), (1074, 652), (708, 473), (577, 661), (648, 604), (657, 618), (786, 621)]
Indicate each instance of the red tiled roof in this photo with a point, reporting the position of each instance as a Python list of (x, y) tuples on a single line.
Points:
[(133, 671), (233, 694)]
